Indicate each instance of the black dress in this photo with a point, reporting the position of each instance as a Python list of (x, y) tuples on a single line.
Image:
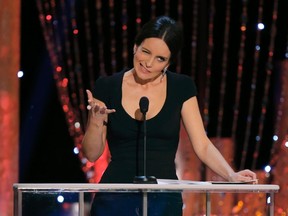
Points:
[(125, 140)]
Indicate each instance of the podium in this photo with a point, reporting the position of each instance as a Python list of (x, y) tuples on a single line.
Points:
[(38, 191)]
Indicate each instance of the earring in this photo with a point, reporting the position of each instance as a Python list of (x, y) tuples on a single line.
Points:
[(164, 71)]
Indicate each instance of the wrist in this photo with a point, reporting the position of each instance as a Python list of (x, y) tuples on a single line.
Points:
[(98, 123), (231, 176)]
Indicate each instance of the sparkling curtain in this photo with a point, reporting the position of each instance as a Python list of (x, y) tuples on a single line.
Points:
[(231, 49)]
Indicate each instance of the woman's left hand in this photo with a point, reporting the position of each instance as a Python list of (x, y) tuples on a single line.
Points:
[(243, 176)]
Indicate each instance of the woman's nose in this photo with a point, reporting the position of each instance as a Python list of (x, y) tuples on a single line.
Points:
[(149, 62)]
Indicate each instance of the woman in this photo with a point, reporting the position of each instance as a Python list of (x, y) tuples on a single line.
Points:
[(115, 116)]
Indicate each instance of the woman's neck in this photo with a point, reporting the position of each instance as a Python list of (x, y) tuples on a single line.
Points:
[(153, 81)]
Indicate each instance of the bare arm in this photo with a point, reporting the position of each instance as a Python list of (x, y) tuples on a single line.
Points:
[(203, 147), (93, 142)]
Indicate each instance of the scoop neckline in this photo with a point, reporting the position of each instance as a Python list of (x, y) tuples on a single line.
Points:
[(160, 111)]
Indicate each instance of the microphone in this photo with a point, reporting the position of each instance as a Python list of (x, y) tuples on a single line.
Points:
[(144, 105)]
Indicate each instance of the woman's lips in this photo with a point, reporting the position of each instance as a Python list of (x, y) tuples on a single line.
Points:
[(144, 69)]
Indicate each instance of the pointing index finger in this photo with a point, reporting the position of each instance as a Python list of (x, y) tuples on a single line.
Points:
[(89, 95)]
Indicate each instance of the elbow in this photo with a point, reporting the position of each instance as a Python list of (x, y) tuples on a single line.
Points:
[(90, 156), (202, 150), (91, 150)]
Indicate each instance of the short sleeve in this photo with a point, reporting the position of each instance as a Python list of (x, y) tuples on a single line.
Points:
[(189, 88), (182, 87), (108, 88), (101, 89)]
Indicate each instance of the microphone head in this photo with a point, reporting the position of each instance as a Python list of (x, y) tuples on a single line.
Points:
[(144, 104)]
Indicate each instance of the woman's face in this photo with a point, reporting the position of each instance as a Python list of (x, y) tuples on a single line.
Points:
[(150, 58)]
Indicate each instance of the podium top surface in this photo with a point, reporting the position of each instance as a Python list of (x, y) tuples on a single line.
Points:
[(199, 187)]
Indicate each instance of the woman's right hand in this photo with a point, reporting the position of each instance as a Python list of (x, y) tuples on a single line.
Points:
[(97, 109)]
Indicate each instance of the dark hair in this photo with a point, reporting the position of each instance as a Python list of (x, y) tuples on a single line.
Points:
[(165, 28)]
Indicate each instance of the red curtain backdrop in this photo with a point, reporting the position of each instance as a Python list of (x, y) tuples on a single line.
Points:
[(9, 101)]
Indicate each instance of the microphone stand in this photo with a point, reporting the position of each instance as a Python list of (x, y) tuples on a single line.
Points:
[(145, 179)]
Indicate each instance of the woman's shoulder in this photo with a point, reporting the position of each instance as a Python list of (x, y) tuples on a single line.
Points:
[(113, 77), (181, 82), (180, 78), (103, 84)]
